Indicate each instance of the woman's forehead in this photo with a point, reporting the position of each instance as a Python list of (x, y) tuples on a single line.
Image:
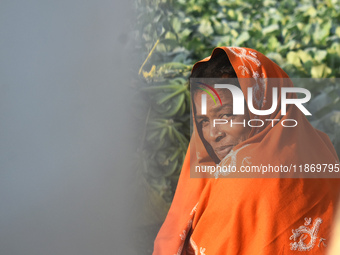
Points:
[(225, 93)]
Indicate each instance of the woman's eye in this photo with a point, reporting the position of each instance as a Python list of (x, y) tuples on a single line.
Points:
[(227, 115), (204, 122)]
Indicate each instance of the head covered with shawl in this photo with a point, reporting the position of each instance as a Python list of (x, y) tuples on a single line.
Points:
[(252, 215)]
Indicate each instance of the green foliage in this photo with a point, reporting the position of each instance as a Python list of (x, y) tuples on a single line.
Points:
[(303, 37)]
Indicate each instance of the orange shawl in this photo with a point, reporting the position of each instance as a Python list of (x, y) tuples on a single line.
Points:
[(254, 215)]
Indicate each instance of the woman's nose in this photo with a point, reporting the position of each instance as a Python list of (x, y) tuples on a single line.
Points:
[(216, 133)]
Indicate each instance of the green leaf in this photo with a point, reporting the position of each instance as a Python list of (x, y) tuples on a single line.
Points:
[(270, 29), (273, 43), (205, 28), (176, 24), (321, 32), (244, 36), (337, 31), (320, 55), (320, 71), (293, 58)]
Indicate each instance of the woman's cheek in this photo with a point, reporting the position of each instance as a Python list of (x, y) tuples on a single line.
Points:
[(205, 131)]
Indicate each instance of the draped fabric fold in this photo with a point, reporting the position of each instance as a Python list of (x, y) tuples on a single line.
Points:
[(254, 215)]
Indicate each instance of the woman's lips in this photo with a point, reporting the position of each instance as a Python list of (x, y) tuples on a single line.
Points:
[(223, 151)]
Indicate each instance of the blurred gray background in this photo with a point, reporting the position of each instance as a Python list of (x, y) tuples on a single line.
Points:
[(64, 127)]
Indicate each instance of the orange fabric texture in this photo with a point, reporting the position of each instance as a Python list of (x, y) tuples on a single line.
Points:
[(255, 215)]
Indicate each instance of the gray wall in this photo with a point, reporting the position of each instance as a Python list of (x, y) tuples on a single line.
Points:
[(64, 137)]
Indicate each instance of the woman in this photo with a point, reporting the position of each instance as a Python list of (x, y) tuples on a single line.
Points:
[(250, 215)]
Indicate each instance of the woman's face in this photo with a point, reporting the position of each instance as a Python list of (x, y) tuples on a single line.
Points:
[(223, 137)]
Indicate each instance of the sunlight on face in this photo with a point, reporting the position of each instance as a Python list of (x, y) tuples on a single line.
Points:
[(224, 137)]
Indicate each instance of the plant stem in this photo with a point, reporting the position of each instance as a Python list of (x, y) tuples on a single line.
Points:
[(148, 57)]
